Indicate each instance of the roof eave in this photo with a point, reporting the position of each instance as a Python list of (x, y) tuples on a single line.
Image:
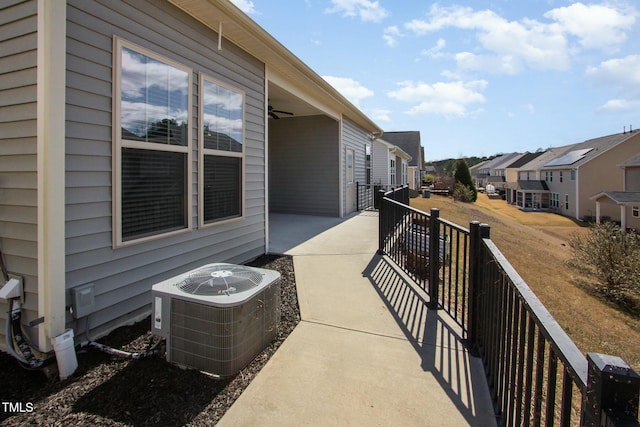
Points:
[(240, 29)]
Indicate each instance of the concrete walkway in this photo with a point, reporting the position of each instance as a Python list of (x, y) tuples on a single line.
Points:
[(367, 351)]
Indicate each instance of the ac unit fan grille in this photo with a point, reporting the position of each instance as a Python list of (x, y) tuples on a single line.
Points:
[(220, 280)]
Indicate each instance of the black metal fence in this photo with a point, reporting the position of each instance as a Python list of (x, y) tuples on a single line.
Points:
[(536, 373), (368, 196)]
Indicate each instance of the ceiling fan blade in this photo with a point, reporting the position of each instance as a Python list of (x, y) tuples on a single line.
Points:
[(272, 112), (283, 112)]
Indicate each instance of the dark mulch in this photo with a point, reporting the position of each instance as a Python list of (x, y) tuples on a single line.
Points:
[(107, 391)]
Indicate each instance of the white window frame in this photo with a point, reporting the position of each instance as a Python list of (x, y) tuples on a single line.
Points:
[(202, 151), (635, 211), (120, 143)]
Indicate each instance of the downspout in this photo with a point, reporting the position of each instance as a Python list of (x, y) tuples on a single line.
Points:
[(51, 85), (266, 158)]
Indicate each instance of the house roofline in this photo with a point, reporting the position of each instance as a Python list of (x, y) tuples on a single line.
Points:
[(243, 31)]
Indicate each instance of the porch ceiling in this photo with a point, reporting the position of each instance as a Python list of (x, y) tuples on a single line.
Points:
[(291, 75), (281, 99)]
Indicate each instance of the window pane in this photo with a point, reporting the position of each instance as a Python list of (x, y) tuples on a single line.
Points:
[(154, 100), (153, 192), (222, 118), (222, 187)]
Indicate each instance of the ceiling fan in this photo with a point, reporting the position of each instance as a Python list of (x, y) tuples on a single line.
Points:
[(272, 113)]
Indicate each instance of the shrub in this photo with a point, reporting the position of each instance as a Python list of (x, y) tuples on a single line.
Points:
[(613, 257), (463, 193), (463, 176)]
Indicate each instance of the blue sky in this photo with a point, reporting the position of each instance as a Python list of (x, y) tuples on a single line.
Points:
[(478, 77)]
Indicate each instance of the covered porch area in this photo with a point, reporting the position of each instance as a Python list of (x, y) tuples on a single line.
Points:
[(533, 195), (628, 203)]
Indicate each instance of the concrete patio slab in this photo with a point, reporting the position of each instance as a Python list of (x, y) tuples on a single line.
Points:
[(367, 351)]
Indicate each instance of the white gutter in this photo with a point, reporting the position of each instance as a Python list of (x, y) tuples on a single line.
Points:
[(51, 82)]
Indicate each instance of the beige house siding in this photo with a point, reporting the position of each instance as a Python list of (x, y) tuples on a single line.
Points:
[(632, 183), (632, 179), (602, 173)]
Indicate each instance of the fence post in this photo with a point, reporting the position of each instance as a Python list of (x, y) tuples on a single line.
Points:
[(612, 394), (474, 286), (384, 211), (477, 232), (434, 258)]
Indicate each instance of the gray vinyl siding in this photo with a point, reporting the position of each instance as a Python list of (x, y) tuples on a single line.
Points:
[(123, 277), (304, 166), (18, 147), (355, 138), (380, 163)]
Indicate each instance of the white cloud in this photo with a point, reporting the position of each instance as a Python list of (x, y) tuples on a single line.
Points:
[(509, 47), (349, 88), (367, 10), (246, 6), (445, 98), (379, 115), (621, 72), (595, 26), (391, 35), (620, 105), (435, 51)]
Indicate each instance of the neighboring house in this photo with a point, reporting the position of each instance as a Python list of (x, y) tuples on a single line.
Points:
[(389, 164), (511, 174), (586, 169), (409, 142), (136, 144), (627, 200), (492, 168), (474, 171), (529, 191)]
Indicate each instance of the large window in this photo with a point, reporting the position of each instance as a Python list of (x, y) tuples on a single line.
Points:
[(152, 113), (221, 144)]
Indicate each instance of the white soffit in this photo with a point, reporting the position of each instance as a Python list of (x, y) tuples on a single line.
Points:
[(283, 65)]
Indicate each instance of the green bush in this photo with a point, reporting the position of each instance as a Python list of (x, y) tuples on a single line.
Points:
[(463, 176), (613, 257), (463, 193)]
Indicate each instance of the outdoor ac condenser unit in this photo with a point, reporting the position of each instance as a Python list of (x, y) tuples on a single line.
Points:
[(218, 317)]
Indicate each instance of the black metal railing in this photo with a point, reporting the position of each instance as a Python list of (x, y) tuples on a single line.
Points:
[(442, 270), (536, 374), (368, 196)]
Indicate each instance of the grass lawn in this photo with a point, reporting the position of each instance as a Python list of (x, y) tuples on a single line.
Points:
[(535, 243)]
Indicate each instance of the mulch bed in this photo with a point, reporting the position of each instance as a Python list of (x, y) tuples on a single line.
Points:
[(108, 391)]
